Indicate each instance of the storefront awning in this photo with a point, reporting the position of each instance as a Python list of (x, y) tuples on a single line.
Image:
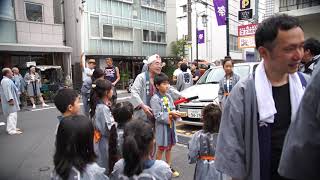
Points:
[(34, 48)]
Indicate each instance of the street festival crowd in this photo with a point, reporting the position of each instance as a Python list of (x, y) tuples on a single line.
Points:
[(268, 128)]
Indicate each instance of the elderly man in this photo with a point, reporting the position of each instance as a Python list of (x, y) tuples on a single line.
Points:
[(19, 82), (143, 89), (9, 101)]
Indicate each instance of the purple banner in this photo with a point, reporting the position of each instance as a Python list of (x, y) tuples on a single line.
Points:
[(220, 9), (200, 35)]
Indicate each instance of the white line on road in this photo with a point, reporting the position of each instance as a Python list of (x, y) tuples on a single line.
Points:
[(52, 107), (43, 108)]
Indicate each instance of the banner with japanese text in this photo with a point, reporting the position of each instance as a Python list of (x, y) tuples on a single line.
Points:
[(220, 10)]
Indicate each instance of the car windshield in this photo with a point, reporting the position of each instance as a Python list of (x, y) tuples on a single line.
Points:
[(214, 75)]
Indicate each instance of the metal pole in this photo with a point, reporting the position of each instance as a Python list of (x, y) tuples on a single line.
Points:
[(189, 21), (197, 39), (256, 54), (227, 27)]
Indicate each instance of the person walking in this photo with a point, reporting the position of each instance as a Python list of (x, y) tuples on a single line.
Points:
[(112, 74), (258, 112), (33, 82), (10, 101)]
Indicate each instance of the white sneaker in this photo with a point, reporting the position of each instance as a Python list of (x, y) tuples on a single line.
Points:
[(33, 106), (2, 123), (14, 132), (45, 105)]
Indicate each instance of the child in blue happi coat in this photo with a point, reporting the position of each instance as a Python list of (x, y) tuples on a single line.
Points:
[(165, 119)]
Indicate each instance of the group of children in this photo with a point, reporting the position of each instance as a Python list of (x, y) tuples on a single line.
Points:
[(112, 145)]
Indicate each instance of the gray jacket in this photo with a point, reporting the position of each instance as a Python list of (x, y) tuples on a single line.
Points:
[(184, 80), (160, 170), (91, 172), (8, 91), (301, 148), (139, 95), (162, 121)]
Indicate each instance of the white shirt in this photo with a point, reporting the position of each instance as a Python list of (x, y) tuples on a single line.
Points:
[(178, 71), (85, 73)]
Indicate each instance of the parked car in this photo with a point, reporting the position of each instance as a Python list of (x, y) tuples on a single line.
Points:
[(207, 89)]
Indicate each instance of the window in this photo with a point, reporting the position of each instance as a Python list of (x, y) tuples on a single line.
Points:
[(156, 4), (146, 35), (94, 26), (153, 36), (34, 12), (161, 37), (58, 11), (6, 9), (233, 43), (107, 31), (122, 33)]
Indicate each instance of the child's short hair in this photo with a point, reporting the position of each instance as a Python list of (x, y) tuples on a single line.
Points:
[(160, 78), (211, 115), (64, 98), (184, 67), (122, 113)]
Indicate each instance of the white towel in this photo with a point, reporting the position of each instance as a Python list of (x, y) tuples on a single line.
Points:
[(266, 105)]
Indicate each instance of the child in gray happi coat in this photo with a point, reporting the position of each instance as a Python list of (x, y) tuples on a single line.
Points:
[(138, 144), (165, 119), (101, 115), (202, 146), (74, 157), (122, 113)]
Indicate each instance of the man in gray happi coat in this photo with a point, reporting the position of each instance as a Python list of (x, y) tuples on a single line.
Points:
[(143, 89), (9, 101), (301, 150), (258, 112)]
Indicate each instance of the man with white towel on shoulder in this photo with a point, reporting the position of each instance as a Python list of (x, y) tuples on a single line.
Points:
[(258, 112)]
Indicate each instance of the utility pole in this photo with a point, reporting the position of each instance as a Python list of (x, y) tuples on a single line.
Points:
[(256, 21), (189, 21), (227, 27)]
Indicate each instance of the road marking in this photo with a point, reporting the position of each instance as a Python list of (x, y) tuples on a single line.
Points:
[(81, 104), (40, 109)]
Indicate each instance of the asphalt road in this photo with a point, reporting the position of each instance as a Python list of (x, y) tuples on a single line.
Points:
[(29, 156)]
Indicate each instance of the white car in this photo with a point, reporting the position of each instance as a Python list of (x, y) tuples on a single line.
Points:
[(207, 89)]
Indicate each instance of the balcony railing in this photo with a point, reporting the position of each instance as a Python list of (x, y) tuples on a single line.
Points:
[(288, 5)]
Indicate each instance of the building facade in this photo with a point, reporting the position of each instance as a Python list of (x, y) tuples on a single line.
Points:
[(33, 31), (127, 31), (214, 46), (308, 12)]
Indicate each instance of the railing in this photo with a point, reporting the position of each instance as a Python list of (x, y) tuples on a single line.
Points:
[(287, 5)]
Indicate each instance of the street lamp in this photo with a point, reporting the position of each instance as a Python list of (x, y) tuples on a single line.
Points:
[(204, 20)]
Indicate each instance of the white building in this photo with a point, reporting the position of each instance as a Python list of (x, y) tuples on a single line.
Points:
[(308, 12), (215, 47)]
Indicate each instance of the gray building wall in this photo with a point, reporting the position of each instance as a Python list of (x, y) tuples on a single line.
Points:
[(46, 32)]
